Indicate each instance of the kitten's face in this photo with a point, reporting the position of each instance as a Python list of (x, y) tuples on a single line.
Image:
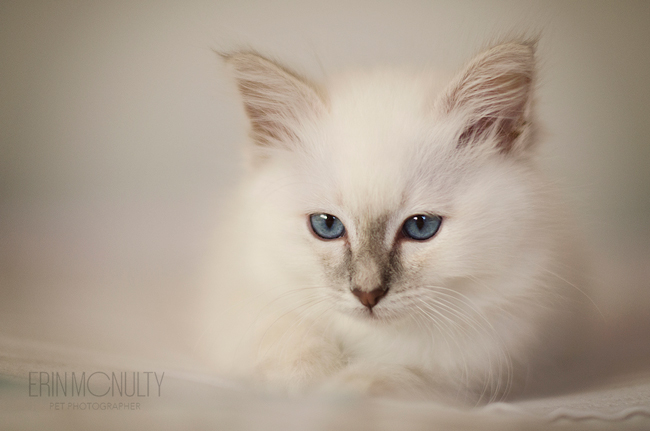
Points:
[(391, 205), (399, 197)]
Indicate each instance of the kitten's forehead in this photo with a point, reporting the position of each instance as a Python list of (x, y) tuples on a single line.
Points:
[(379, 130)]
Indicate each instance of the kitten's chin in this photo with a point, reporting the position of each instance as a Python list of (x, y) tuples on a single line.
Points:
[(375, 315)]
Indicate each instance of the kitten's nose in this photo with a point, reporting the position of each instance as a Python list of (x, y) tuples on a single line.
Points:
[(369, 299)]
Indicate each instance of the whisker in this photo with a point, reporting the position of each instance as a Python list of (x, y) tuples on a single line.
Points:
[(575, 287), (465, 372), (449, 300)]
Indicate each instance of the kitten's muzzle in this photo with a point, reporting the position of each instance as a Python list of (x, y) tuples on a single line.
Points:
[(370, 299)]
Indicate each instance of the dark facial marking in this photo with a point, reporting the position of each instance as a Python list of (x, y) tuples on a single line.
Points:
[(371, 247)]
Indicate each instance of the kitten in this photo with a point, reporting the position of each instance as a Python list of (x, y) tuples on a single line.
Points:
[(393, 235)]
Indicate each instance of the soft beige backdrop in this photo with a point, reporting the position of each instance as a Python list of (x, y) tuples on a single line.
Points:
[(120, 130)]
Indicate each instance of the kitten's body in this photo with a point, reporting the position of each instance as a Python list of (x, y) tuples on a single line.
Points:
[(467, 312)]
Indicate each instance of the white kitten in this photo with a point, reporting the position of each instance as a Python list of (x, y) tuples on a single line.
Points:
[(393, 235)]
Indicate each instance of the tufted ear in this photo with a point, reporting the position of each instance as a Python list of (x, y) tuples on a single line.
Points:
[(275, 98), (492, 97)]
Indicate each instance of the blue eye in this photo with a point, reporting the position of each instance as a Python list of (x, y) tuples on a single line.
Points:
[(326, 226), (421, 227)]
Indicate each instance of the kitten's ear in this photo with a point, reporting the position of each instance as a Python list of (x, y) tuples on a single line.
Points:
[(492, 96), (276, 99)]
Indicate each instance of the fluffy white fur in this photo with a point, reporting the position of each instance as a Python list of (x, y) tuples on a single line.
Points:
[(467, 313)]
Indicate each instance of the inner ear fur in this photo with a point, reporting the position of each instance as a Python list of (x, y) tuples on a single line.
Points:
[(275, 98), (493, 94)]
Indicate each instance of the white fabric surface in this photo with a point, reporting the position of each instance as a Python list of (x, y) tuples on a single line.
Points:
[(194, 400)]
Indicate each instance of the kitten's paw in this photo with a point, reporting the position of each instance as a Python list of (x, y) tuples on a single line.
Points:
[(296, 369), (380, 381)]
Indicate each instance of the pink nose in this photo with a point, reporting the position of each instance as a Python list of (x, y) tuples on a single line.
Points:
[(369, 299)]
